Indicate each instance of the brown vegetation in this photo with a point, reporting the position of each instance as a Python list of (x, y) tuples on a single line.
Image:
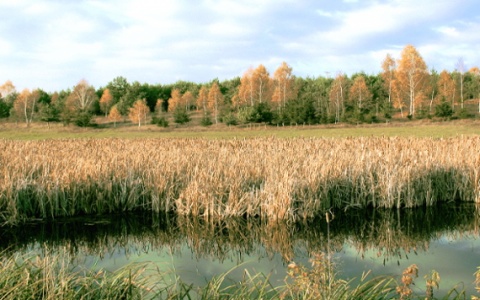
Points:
[(266, 177)]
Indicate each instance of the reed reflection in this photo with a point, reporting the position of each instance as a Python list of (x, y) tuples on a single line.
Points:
[(392, 233)]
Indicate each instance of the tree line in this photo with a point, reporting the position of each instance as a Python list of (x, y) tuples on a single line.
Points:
[(404, 87)]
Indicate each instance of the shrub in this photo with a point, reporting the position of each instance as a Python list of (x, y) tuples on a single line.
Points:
[(160, 121), (181, 116), (230, 119), (83, 119), (206, 120)]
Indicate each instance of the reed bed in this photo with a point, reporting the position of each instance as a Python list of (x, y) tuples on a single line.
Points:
[(270, 178)]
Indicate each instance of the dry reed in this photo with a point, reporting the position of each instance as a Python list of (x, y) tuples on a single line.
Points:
[(271, 178)]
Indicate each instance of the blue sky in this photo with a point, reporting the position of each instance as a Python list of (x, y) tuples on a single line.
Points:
[(53, 44)]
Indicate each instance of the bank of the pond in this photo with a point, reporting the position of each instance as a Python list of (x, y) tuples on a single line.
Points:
[(270, 178)]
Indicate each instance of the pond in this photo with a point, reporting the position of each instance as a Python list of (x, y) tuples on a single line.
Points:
[(441, 238)]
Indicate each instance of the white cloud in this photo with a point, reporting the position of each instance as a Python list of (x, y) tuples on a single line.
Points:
[(326, 13), (374, 19), (448, 31), (59, 42)]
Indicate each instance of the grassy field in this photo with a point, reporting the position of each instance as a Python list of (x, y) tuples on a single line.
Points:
[(40, 131)]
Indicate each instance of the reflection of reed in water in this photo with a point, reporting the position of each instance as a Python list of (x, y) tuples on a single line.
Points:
[(392, 233)]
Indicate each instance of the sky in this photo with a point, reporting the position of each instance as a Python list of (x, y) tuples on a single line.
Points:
[(53, 44)]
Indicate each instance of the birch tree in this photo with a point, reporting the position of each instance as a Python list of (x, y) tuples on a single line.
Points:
[(25, 105), (359, 92), (388, 73), (138, 112), (412, 75), (283, 82), (175, 100), (215, 100)]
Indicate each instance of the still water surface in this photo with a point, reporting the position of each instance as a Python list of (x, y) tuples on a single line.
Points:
[(445, 239)]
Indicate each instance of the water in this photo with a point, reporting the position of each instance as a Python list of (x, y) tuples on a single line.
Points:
[(445, 239)]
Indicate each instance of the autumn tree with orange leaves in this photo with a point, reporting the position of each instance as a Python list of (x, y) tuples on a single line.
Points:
[(359, 93), (175, 100), (115, 115), (388, 73), (106, 101), (202, 99), (412, 76), (138, 112), (446, 87), (188, 100), (283, 82), (245, 90), (262, 84), (215, 100), (6, 89), (25, 105), (255, 87)]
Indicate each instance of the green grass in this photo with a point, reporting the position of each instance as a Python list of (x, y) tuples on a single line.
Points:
[(40, 131)]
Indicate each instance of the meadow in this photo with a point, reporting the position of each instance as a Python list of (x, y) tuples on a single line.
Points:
[(420, 128)]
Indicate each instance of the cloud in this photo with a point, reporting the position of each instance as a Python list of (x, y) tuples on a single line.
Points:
[(358, 25), (56, 43)]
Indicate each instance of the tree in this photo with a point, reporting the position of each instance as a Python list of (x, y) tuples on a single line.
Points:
[(118, 88), (215, 99), (443, 110), (159, 106), (433, 88), (106, 101), (283, 85), (82, 96), (412, 75), (359, 92), (202, 99), (188, 100), (262, 84), (337, 95), (25, 105), (460, 67), (138, 112), (475, 72), (175, 100), (79, 104), (446, 87), (6, 89), (388, 67), (114, 115), (397, 97), (245, 90), (7, 97)]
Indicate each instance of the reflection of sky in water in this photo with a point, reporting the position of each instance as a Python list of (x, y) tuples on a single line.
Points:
[(195, 251), (455, 259)]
